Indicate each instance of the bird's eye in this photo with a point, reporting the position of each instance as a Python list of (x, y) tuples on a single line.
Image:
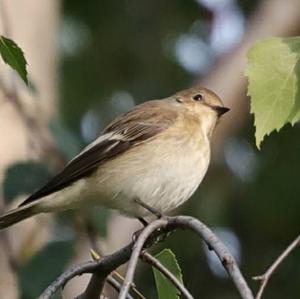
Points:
[(198, 97)]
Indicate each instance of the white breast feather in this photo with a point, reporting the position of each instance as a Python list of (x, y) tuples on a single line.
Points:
[(163, 183)]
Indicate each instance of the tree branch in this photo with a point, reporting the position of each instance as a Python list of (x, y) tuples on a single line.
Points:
[(147, 237), (219, 248), (136, 251), (95, 287), (267, 275), (183, 222), (148, 258), (111, 280), (116, 285), (106, 265)]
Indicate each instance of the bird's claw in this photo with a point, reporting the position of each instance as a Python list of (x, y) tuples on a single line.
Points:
[(153, 211)]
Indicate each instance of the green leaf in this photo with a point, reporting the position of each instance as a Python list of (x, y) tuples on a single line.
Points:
[(24, 178), (165, 289), (273, 71), (44, 267), (13, 56)]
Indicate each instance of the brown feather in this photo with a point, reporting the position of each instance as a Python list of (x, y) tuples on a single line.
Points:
[(130, 129)]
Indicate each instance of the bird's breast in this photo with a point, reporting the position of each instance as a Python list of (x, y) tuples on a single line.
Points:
[(163, 172)]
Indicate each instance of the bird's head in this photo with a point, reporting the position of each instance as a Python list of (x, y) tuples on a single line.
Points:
[(203, 104)]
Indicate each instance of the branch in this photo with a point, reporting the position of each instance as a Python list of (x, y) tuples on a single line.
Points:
[(219, 248), (148, 258), (267, 275), (116, 285), (149, 236), (106, 265), (136, 251), (183, 222), (95, 287)]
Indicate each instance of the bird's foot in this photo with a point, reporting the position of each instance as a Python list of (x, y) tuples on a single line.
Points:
[(153, 211), (136, 235), (158, 237), (143, 221)]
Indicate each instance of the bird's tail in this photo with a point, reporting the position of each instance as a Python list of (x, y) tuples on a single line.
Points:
[(16, 215)]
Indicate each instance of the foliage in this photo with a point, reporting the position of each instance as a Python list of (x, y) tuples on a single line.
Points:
[(273, 71), (165, 289), (13, 55)]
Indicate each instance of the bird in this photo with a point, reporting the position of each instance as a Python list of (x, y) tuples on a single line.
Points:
[(151, 158)]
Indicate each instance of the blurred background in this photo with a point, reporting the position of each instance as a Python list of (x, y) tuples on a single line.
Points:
[(92, 60)]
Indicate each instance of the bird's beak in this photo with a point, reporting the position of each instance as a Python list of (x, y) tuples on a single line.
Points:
[(221, 110)]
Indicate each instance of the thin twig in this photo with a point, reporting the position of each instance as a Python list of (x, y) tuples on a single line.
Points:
[(105, 265), (264, 278), (219, 248), (94, 287), (97, 281), (110, 279), (148, 258), (116, 285), (147, 238), (96, 257), (208, 236), (136, 251), (134, 288)]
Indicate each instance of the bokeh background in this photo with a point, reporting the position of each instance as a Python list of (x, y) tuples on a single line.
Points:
[(92, 60)]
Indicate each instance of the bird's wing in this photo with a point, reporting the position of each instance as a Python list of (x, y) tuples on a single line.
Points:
[(130, 129)]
